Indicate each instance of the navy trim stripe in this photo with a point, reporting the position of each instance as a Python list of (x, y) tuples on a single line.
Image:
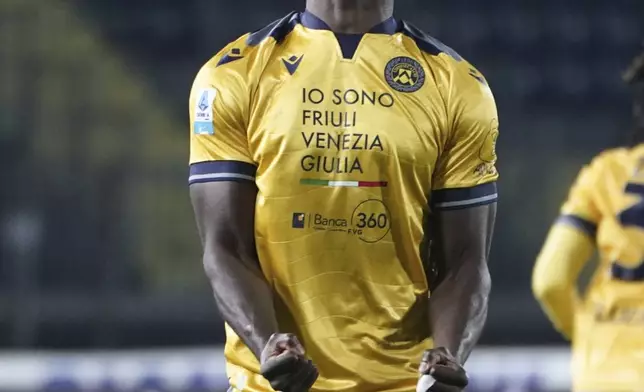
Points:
[(228, 58), (632, 187), (467, 204), (279, 29), (457, 198), (209, 167), (348, 44), (627, 274), (577, 222), (388, 26), (212, 171), (220, 178), (427, 43)]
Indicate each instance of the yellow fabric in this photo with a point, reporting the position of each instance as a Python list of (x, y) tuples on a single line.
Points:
[(607, 324), (344, 257), (555, 275)]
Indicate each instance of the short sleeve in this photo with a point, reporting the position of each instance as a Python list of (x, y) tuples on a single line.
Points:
[(465, 175), (219, 148), (580, 209)]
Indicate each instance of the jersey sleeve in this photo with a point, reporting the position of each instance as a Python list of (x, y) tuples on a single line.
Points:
[(580, 209), (555, 275), (219, 105), (568, 247), (465, 175)]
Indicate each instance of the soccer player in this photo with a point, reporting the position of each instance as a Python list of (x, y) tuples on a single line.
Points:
[(604, 211), (330, 152)]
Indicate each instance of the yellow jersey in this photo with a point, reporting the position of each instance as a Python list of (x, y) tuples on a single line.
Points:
[(351, 140), (605, 208)]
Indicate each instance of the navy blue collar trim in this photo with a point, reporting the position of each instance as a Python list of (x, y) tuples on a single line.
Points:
[(388, 26)]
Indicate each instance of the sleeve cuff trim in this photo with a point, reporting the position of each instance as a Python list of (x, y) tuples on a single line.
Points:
[(580, 223), (221, 171), (465, 197)]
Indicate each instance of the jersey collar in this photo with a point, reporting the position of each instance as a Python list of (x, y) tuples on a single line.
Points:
[(388, 26)]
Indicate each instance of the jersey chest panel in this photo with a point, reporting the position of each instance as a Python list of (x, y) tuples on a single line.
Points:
[(342, 122)]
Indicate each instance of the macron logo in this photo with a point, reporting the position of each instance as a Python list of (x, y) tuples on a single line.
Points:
[(292, 63)]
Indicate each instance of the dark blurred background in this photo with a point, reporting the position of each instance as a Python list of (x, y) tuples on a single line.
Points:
[(98, 245)]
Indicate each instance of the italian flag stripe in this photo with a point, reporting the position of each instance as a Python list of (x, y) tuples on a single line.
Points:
[(355, 184), (372, 184)]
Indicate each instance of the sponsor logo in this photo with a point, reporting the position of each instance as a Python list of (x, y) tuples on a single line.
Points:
[(487, 152), (484, 169), (370, 221)]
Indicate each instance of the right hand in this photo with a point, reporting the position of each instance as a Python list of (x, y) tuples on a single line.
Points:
[(285, 366), (441, 372)]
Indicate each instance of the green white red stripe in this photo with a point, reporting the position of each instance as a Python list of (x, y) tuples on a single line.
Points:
[(337, 184)]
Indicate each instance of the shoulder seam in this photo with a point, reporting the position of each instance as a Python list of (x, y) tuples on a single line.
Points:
[(427, 43), (278, 30)]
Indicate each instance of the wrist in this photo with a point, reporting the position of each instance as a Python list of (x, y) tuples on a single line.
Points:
[(257, 341)]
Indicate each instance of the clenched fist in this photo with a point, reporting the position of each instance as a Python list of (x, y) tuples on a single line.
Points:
[(285, 366), (440, 372)]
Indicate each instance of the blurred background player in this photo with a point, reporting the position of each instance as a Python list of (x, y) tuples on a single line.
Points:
[(604, 211), (318, 145)]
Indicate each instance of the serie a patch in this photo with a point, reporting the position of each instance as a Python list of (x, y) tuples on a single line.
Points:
[(203, 119)]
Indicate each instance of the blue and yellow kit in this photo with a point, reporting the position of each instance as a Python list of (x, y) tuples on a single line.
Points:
[(604, 211), (352, 141)]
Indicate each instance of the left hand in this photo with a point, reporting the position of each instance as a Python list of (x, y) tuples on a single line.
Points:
[(444, 369)]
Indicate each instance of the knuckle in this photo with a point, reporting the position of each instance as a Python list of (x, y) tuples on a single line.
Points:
[(275, 338)]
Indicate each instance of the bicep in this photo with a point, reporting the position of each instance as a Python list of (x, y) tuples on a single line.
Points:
[(222, 171), (462, 237), (225, 214)]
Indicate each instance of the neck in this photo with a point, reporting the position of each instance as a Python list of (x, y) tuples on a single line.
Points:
[(351, 16)]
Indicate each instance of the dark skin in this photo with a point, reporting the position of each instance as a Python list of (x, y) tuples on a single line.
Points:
[(461, 240), (225, 215), (459, 301), (458, 304), (351, 16)]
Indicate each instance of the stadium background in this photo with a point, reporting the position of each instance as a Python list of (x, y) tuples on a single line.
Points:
[(101, 287)]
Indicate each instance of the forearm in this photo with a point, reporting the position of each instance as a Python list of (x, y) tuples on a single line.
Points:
[(243, 296), (458, 310)]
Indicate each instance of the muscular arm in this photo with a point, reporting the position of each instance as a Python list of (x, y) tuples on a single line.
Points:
[(225, 214), (459, 302)]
